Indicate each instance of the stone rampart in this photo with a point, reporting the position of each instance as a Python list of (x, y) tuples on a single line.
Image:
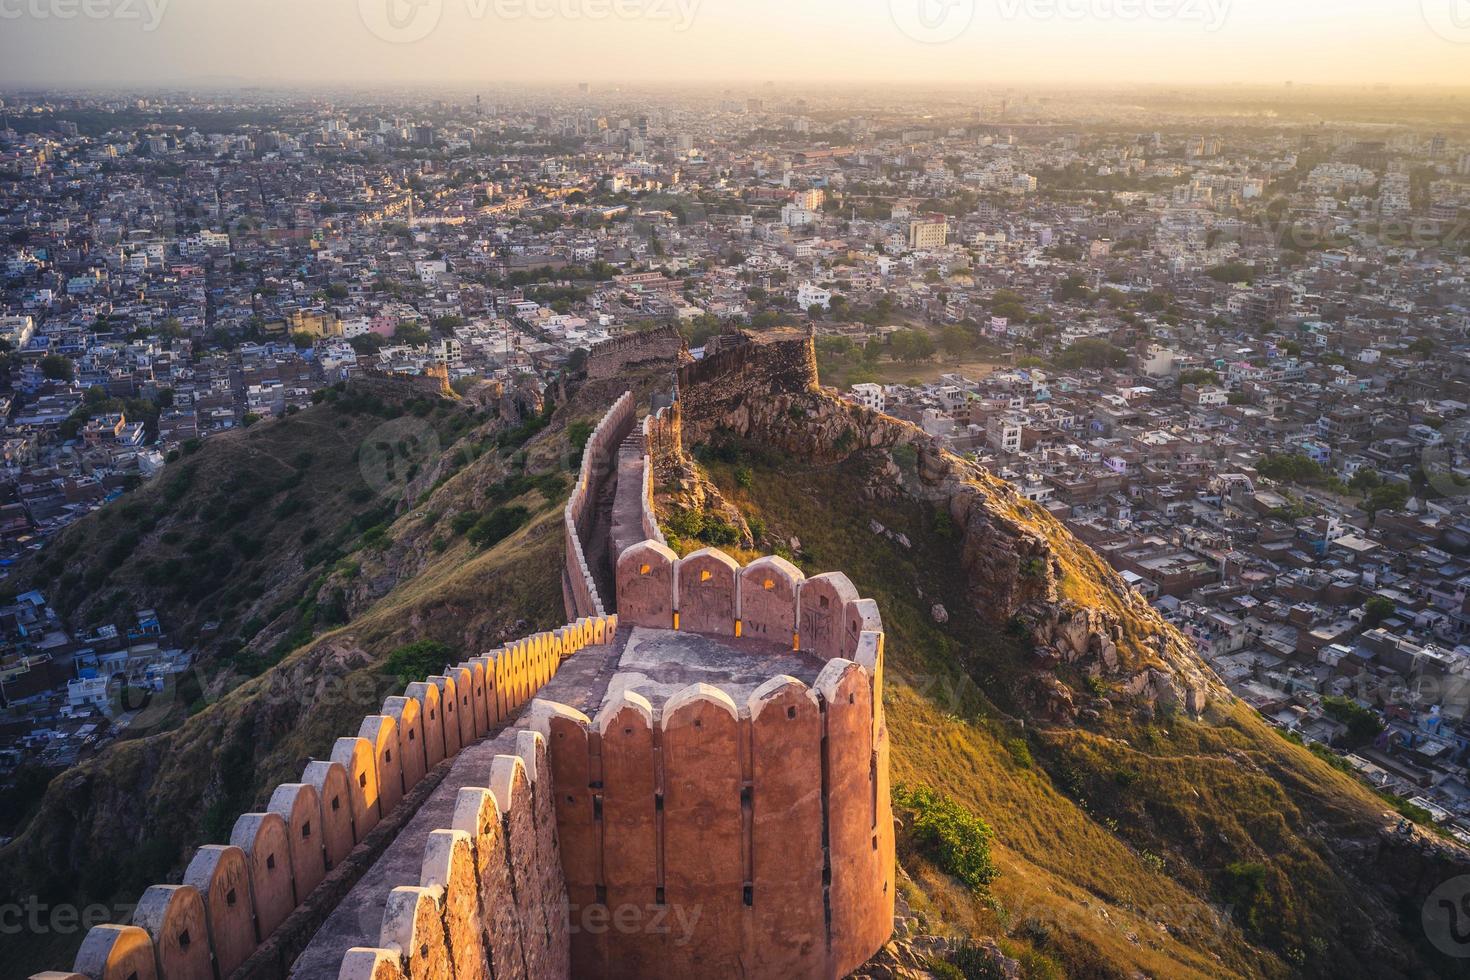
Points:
[(615, 358), (234, 896), (756, 833), (598, 459)]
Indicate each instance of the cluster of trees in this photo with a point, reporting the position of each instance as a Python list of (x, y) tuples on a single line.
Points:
[(1363, 725), (1091, 352), (1377, 494), (1199, 376), (912, 346)]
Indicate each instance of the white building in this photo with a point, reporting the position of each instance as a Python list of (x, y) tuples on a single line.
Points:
[(796, 216), (810, 295), (870, 396)]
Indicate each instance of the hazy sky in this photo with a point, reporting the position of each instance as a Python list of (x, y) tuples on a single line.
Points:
[(125, 42)]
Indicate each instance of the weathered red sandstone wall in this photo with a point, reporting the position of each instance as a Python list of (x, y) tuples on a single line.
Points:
[(599, 460), (753, 839), (490, 897), (698, 840), (235, 897)]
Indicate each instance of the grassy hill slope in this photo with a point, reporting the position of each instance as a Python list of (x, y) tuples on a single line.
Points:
[(1171, 847)]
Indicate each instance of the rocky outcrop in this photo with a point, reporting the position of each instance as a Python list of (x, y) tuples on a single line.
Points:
[(914, 955), (1024, 569)]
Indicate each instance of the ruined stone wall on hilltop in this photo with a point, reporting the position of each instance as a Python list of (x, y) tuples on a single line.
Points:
[(762, 829), (617, 357), (599, 460), (742, 370)]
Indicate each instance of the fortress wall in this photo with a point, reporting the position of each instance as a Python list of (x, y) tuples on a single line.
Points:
[(744, 366), (663, 438), (615, 358), (701, 832), (234, 897), (598, 460), (489, 902)]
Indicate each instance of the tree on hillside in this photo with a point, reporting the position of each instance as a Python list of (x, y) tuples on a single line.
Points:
[(912, 346), (957, 341)]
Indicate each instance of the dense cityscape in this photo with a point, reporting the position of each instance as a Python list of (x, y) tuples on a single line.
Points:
[(1222, 338)]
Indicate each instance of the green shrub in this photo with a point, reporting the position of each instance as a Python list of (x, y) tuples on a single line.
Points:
[(417, 661), (501, 524), (974, 962), (1020, 752), (950, 835)]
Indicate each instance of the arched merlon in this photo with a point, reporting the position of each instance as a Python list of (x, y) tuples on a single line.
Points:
[(768, 589), (266, 841), (334, 790), (645, 577), (220, 875), (725, 806), (173, 916), (298, 805), (113, 952), (707, 598), (768, 600), (372, 964), (822, 613), (355, 755)]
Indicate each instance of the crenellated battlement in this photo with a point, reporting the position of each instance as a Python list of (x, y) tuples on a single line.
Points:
[(235, 897)]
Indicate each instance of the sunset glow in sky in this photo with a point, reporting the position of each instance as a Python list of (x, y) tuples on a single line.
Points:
[(979, 42)]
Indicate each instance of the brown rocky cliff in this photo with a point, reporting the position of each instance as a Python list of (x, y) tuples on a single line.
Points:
[(1024, 568)]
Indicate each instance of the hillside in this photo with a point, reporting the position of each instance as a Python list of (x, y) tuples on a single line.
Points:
[(1145, 822), (415, 576)]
